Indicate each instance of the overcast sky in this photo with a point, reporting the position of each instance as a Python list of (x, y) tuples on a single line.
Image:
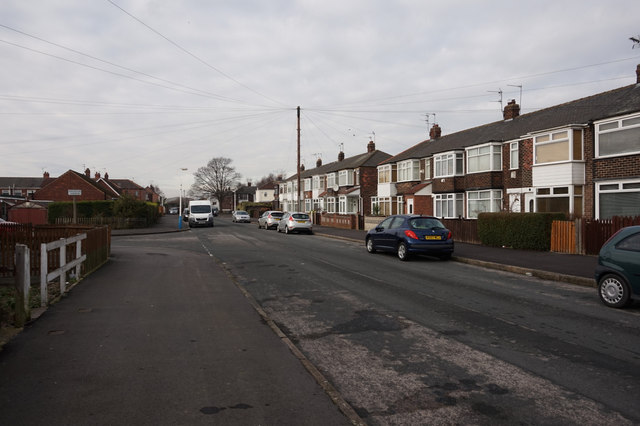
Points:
[(144, 88)]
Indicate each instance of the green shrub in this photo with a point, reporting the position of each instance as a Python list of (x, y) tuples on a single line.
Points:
[(530, 231)]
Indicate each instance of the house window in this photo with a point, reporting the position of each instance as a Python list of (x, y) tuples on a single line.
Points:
[(483, 201), (484, 158), (449, 164), (408, 170), (381, 206), (400, 201), (6, 192), (513, 155), (307, 204), (318, 183), (563, 199), (449, 205), (331, 180), (558, 146), (619, 137), (307, 184), (620, 198), (427, 168), (318, 204), (331, 204), (384, 174), (345, 178), (342, 204)]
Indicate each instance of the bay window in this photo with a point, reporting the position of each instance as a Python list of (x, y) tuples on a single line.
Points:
[(408, 170), (483, 201), (448, 164)]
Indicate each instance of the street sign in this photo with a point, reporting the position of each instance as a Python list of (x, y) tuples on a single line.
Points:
[(74, 192)]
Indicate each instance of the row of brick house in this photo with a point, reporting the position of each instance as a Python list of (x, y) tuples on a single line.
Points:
[(581, 157), (15, 191)]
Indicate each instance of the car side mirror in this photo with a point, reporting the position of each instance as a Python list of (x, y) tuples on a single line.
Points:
[(379, 228)]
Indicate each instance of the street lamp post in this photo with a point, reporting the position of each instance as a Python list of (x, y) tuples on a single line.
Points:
[(184, 169)]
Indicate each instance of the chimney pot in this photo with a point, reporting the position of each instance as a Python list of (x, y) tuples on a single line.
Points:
[(512, 110), (97, 175), (340, 156), (319, 162), (435, 132), (371, 146), (45, 175), (87, 172)]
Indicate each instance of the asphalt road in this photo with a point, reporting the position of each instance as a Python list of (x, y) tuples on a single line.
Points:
[(162, 335), (429, 342), (158, 336)]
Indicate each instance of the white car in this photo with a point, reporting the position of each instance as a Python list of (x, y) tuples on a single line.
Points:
[(241, 216), (295, 222)]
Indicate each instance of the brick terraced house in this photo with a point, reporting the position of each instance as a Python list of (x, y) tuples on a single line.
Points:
[(581, 157)]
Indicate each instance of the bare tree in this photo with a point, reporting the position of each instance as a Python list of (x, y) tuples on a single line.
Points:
[(215, 179)]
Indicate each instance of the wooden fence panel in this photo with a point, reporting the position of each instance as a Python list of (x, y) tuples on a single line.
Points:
[(597, 232), (463, 230), (563, 236)]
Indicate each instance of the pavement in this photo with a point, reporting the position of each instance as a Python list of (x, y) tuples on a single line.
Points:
[(570, 268)]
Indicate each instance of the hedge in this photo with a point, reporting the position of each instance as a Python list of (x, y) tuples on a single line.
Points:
[(529, 231), (125, 207)]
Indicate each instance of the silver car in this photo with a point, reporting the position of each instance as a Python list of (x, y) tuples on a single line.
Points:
[(270, 219), (240, 216), (295, 222)]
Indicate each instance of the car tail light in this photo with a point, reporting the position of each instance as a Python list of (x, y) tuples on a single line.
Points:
[(269, 216), (291, 218), (449, 235), (409, 233)]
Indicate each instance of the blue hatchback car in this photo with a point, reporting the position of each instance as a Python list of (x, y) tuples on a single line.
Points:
[(618, 270), (411, 234)]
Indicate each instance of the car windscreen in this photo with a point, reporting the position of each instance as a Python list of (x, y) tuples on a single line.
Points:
[(300, 216), (242, 213), (425, 223), (201, 209)]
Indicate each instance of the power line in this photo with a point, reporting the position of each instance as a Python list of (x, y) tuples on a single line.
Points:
[(202, 61)]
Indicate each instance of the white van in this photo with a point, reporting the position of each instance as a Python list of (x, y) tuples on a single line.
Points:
[(200, 213)]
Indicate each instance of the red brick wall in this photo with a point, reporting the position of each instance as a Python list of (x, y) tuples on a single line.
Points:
[(423, 204), (368, 187)]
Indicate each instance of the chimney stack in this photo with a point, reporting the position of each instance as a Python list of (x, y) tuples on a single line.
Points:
[(638, 74), (45, 175), (97, 175), (302, 167), (106, 176), (512, 110), (87, 172), (371, 146), (341, 156), (319, 162), (435, 132)]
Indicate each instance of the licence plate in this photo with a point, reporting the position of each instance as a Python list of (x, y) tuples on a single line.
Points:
[(301, 221), (432, 237)]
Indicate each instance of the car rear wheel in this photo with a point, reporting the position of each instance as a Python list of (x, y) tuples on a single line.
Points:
[(613, 291), (370, 247), (403, 254), (286, 230)]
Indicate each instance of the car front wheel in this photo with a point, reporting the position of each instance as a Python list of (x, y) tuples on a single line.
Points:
[(613, 291), (370, 247), (403, 253)]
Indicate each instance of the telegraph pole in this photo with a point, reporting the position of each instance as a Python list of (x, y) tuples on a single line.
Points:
[(299, 187)]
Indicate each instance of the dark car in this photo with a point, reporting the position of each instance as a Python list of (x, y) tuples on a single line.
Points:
[(410, 234), (618, 270)]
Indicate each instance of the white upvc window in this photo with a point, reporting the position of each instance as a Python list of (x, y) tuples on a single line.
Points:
[(342, 204), (560, 146), (307, 184), (400, 201), (514, 152), (617, 198), (345, 178), (408, 170), (384, 174), (448, 164), (331, 204), (565, 199), (307, 204), (448, 205), (331, 180), (427, 168), (484, 158), (489, 200), (618, 137)]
